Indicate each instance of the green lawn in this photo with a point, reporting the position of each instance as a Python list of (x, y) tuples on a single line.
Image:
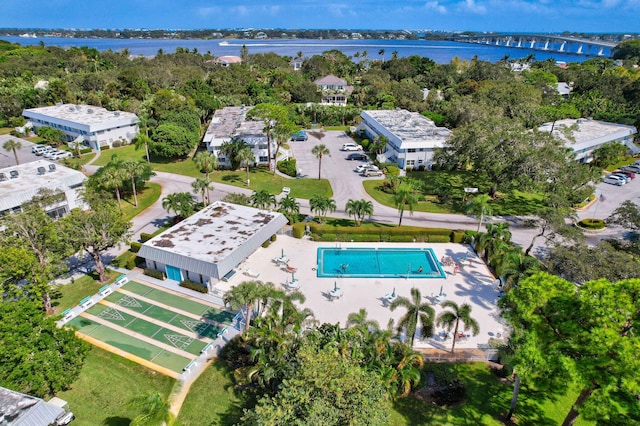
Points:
[(5, 130), (260, 178), (72, 293), (443, 192), (147, 197), (107, 382)]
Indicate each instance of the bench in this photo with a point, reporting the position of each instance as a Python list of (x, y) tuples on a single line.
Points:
[(105, 291), (87, 302), (67, 315), (191, 364), (122, 280)]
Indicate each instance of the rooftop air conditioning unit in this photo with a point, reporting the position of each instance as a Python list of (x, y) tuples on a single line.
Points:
[(52, 167), (71, 108), (3, 177), (89, 111), (116, 113), (14, 174), (78, 107), (41, 170)]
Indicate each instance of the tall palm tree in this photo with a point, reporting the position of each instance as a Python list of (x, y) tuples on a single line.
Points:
[(417, 312), (320, 151), (359, 209), (112, 178), (379, 144), (181, 203), (244, 297), (381, 53), (320, 205), (245, 156), (394, 54), (479, 206), (359, 319), (514, 266), (451, 319), (488, 242), (134, 169), (13, 145), (262, 199), (142, 140), (289, 206), (202, 186), (206, 162), (404, 197), (155, 410)]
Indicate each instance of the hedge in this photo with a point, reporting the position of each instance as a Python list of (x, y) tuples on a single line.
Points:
[(135, 246), (144, 237), (273, 237), (266, 244), (590, 223), (154, 274), (194, 286)]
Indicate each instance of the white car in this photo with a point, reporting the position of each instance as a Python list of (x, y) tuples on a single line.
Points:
[(362, 167), (60, 155), (614, 180), (37, 148), (351, 147), (50, 153), (44, 150)]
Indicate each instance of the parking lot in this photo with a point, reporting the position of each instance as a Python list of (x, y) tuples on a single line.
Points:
[(24, 154), (613, 196)]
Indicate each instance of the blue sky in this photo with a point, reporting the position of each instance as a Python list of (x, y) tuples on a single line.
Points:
[(476, 15)]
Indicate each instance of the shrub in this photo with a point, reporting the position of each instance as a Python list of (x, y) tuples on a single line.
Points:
[(144, 237), (288, 167), (273, 237), (401, 239), (85, 151), (191, 285), (131, 263), (394, 170), (266, 244), (117, 144), (135, 246), (439, 239), (591, 223), (154, 274), (297, 230), (105, 148), (365, 144), (457, 237)]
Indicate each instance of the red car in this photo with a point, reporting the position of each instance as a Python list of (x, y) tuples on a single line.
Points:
[(626, 172)]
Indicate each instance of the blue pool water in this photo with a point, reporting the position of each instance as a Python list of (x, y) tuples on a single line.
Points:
[(378, 263)]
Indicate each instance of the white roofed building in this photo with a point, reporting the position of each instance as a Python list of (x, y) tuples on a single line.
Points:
[(206, 247), (95, 126), (20, 409), (584, 135), (19, 184), (231, 123), (412, 137), (334, 90)]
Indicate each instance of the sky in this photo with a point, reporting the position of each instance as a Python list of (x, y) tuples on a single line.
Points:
[(610, 16)]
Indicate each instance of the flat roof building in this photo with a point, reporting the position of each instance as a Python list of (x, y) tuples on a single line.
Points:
[(584, 135), (19, 409), (19, 184), (412, 137), (207, 246), (231, 123), (95, 126)]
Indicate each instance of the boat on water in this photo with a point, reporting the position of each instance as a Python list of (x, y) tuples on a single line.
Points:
[(223, 43)]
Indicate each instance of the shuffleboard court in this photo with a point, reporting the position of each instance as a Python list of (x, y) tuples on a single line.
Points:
[(122, 341), (148, 329), (208, 312)]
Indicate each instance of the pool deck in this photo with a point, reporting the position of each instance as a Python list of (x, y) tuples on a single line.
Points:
[(473, 284)]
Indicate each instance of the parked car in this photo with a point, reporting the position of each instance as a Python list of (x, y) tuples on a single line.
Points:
[(631, 168), (351, 147), (614, 180), (626, 178), (44, 150), (60, 155), (36, 148), (624, 172), (371, 172), (50, 153), (357, 156), (300, 136), (369, 166)]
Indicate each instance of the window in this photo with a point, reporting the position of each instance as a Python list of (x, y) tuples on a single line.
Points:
[(264, 159), (222, 159), (411, 150), (411, 163)]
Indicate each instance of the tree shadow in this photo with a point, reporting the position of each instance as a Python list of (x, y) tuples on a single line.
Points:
[(116, 421), (232, 178)]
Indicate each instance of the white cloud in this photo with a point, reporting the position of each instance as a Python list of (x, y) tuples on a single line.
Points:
[(472, 7), (207, 11), (435, 6), (239, 10)]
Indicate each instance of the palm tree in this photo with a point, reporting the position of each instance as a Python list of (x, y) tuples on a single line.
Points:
[(13, 145), (488, 242), (244, 297), (404, 197), (202, 186), (319, 151), (479, 206), (289, 206), (206, 162), (514, 266), (76, 145), (112, 177), (155, 410), (359, 209), (320, 205), (451, 319), (417, 311), (245, 156), (394, 54), (381, 53), (379, 144), (359, 319), (134, 169), (262, 199), (181, 203), (142, 140)]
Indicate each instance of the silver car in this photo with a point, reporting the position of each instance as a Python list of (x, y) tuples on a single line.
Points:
[(614, 180)]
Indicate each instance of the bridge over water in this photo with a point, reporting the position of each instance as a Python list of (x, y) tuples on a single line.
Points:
[(544, 42)]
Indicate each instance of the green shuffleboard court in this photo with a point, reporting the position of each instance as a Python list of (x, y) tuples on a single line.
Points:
[(139, 348), (148, 329), (188, 323), (200, 309)]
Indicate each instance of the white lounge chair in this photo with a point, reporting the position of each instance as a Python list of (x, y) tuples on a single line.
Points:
[(248, 272)]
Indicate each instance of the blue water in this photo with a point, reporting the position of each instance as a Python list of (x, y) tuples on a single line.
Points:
[(378, 263), (441, 52)]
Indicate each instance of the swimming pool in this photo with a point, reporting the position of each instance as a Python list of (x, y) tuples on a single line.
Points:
[(364, 262)]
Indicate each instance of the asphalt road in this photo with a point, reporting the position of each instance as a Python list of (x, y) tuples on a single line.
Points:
[(24, 154)]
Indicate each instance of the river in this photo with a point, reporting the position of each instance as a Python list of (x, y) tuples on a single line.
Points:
[(439, 51)]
